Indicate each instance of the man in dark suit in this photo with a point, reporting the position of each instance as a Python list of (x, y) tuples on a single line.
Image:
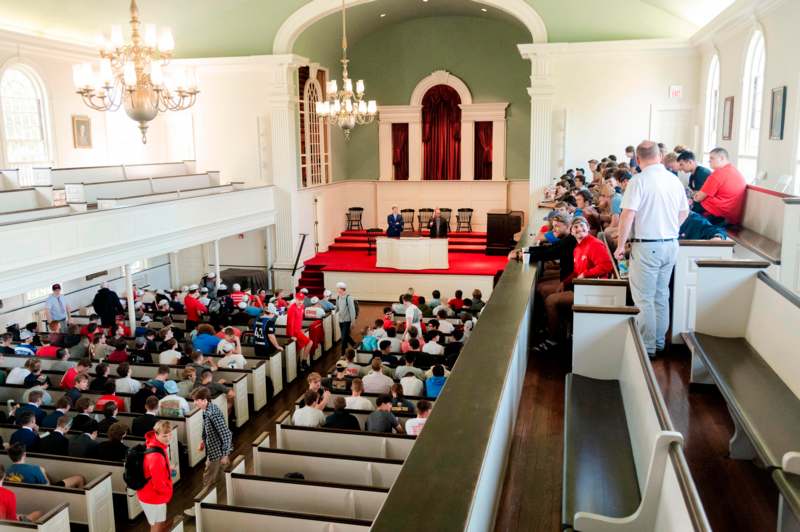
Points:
[(83, 445), (51, 419), (33, 405), (438, 225), (26, 434), (56, 442), (395, 223), (144, 424)]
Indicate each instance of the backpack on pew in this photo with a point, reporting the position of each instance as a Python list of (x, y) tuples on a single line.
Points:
[(355, 304), (134, 466)]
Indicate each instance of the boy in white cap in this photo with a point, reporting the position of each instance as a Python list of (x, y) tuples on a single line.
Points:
[(237, 296), (314, 310), (346, 308), (325, 302)]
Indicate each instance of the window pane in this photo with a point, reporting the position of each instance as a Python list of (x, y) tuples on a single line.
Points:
[(23, 119)]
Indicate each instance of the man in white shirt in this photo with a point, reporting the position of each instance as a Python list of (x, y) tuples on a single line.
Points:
[(126, 384), (414, 425), (445, 327), (653, 208), (412, 385), (310, 415), (413, 315), (355, 401), (169, 356), (375, 381), (432, 345), (229, 358), (396, 343), (173, 404)]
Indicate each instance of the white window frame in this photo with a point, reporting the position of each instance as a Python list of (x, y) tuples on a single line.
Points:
[(751, 115), (38, 294), (316, 158), (26, 174), (711, 126)]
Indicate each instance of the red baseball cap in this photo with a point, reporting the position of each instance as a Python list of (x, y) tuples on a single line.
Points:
[(300, 295)]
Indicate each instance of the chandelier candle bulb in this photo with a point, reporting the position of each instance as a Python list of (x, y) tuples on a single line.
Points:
[(348, 85), (150, 35), (360, 86), (372, 107), (116, 36), (362, 107), (166, 43), (156, 74), (106, 73), (332, 88)]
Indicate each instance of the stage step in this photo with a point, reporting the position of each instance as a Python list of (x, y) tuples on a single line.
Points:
[(452, 248)]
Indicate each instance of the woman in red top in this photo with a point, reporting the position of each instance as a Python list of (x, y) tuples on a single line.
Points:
[(158, 491), (592, 260), (294, 328)]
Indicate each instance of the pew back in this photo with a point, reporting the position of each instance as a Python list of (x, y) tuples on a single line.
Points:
[(55, 520), (369, 444)]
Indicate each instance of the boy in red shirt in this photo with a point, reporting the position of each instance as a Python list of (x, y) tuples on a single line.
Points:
[(457, 303), (155, 495), (193, 308), (68, 380), (109, 395), (294, 328), (721, 199)]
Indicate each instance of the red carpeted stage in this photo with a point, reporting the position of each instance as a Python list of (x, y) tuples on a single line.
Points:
[(347, 260)]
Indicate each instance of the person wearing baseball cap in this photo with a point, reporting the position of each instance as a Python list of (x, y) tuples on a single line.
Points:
[(194, 308), (325, 302), (294, 328), (264, 330), (57, 308)]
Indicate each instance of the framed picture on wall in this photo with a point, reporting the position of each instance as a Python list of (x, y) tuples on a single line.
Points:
[(777, 116), (727, 119), (81, 131)]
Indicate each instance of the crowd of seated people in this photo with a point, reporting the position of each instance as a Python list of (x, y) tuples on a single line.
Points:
[(584, 206)]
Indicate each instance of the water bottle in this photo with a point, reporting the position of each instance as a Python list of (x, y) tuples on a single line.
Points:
[(622, 265)]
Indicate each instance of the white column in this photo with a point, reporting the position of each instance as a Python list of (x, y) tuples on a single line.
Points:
[(498, 150), (542, 93), (385, 151), (415, 148), (270, 245), (216, 262), (129, 293), (284, 169), (174, 270), (467, 150)]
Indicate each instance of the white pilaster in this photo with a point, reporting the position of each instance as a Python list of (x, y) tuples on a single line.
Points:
[(499, 150), (542, 94), (174, 270), (467, 150)]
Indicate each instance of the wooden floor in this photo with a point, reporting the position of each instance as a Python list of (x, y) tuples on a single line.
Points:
[(737, 495), (191, 480)]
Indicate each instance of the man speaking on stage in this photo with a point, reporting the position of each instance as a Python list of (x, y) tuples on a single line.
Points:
[(437, 225), (395, 224)]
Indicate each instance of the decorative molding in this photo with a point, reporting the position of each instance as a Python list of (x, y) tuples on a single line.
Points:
[(738, 17), (441, 77), (483, 112), (400, 114), (635, 46), (24, 42), (316, 10)]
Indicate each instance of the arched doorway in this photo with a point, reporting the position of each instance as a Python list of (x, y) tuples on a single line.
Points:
[(441, 133)]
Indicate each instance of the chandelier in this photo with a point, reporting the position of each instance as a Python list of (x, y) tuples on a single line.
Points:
[(344, 107), (131, 75)]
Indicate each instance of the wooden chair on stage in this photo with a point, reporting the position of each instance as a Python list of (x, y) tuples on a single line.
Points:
[(424, 217), (464, 220), (447, 214), (354, 215), (408, 218)]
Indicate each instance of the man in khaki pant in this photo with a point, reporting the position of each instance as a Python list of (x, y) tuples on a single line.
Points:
[(217, 440)]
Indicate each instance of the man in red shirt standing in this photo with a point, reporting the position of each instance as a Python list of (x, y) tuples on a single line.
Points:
[(193, 308), (721, 199), (294, 328)]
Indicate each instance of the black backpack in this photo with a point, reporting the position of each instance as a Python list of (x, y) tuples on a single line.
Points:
[(134, 466)]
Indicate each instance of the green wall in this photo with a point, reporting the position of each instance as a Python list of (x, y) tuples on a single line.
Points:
[(393, 60)]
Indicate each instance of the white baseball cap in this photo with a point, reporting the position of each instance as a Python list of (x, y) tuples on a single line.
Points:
[(193, 287), (236, 287), (146, 319), (211, 275), (223, 287), (242, 305), (314, 300), (341, 285), (326, 293), (304, 290)]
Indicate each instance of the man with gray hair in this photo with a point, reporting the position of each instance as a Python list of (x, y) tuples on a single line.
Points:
[(346, 312), (653, 208)]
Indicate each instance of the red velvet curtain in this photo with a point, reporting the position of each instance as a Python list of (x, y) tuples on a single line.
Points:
[(483, 150), (441, 133), (400, 151)]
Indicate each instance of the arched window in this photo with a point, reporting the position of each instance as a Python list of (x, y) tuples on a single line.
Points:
[(712, 108), (314, 138), (25, 120), (752, 101)]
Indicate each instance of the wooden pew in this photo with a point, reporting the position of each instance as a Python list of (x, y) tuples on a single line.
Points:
[(272, 368), (55, 520), (91, 192), (684, 285), (623, 464), (289, 361), (745, 342), (91, 506), (293, 495), (769, 232), (62, 466), (326, 467), (373, 397), (140, 199), (189, 429), (360, 415), (210, 517), (16, 392), (368, 444)]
